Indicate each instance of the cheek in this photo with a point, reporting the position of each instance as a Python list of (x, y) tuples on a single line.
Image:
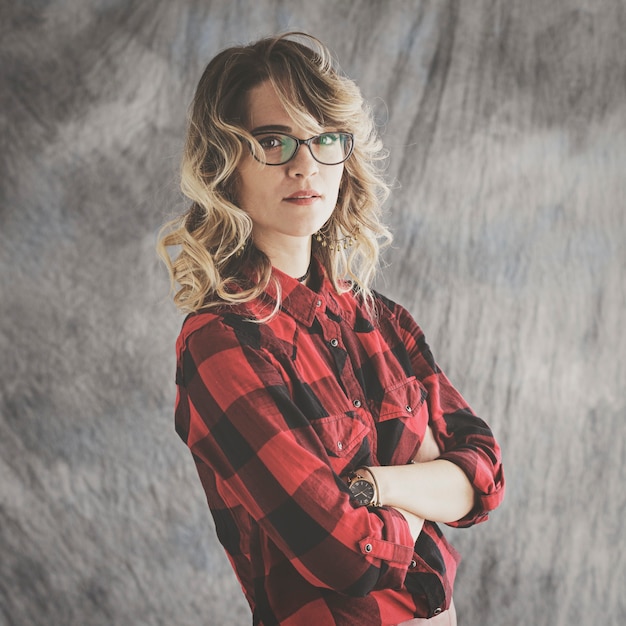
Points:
[(230, 189), (334, 180), (246, 184)]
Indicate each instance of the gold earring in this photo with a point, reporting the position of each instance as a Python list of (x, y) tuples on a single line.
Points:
[(321, 238), (239, 252), (339, 244)]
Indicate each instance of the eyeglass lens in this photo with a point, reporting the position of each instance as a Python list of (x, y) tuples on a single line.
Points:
[(327, 148)]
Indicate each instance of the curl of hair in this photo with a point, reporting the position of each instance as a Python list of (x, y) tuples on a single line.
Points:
[(211, 235)]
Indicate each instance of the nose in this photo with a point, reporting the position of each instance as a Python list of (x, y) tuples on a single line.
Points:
[(303, 164)]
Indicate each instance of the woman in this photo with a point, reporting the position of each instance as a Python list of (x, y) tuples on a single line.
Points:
[(326, 438)]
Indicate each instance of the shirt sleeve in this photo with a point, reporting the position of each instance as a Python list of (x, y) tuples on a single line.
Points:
[(464, 438), (237, 416)]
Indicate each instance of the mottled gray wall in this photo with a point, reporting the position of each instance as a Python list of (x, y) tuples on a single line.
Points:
[(506, 120)]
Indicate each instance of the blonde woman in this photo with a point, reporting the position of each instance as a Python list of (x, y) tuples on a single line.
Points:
[(327, 440)]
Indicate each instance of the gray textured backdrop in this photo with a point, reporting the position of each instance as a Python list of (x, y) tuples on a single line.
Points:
[(506, 120)]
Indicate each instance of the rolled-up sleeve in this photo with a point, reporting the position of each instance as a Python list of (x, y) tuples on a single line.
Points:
[(236, 414), (464, 438)]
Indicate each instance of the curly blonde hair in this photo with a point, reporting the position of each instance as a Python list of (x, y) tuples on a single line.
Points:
[(212, 233)]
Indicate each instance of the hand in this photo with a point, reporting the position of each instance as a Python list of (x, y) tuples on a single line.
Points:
[(429, 450)]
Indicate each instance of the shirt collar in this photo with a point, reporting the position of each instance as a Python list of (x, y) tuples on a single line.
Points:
[(300, 301)]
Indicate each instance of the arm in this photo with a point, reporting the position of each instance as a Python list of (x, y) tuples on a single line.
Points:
[(238, 418), (436, 490), (457, 475), (429, 488)]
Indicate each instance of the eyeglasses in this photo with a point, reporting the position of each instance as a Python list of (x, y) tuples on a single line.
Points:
[(327, 148)]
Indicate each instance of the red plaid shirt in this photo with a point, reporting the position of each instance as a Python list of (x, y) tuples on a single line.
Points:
[(277, 415)]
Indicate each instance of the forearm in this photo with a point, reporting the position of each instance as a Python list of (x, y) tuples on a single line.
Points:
[(437, 490)]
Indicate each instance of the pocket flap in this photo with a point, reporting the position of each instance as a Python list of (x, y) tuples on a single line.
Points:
[(340, 434), (403, 400)]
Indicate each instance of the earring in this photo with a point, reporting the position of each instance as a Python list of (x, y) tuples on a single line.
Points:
[(239, 252), (339, 244), (321, 238)]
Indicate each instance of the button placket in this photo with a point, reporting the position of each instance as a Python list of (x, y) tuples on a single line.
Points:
[(333, 332)]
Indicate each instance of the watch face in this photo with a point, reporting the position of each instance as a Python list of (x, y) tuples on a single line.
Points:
[(363, 491)]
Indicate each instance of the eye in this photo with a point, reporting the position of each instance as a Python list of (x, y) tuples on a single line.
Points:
[(269, 142), (327, 139)]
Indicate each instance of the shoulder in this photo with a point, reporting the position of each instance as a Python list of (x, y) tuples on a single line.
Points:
[(216, 342), (380, 312), (238, 326), (351, 298), (217, 330), (385, 305), (386, 308), (397, 314)]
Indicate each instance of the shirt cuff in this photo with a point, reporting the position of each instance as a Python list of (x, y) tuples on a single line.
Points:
[(488, 487), (396, 549)]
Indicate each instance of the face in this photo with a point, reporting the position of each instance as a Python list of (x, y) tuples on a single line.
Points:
[(287, 203)]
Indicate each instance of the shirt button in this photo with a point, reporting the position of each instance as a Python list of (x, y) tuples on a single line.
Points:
[(408, 408), (356, 403), (412, 565), (339, 445), (318, 303), (368, 547), (334, 343), (437, 610)]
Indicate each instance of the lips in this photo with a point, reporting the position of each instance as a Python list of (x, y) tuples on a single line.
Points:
[(303, 197), (304, 194)]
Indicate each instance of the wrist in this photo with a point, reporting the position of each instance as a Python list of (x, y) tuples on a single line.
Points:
[(378, 500), (364, 487)]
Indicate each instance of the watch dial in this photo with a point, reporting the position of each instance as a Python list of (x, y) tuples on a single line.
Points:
[(363, 491)]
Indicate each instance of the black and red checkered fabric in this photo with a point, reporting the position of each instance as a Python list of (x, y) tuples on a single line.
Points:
[(277, 414)]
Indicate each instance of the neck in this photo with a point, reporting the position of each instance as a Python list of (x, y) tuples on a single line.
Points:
[(291, 256)]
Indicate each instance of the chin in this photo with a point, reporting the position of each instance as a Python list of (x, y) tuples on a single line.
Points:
[(307, 230)]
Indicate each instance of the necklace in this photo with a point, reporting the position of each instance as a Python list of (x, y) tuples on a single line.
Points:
[(303, 278)]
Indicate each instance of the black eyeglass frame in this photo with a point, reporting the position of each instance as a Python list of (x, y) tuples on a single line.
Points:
[(307, 143)]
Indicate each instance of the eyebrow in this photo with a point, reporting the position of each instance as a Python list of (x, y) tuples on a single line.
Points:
[(270, 128)]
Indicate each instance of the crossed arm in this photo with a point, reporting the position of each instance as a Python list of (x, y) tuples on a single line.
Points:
[(428, 489)]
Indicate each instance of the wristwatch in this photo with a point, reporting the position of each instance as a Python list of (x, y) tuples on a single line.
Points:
[(364, 491)]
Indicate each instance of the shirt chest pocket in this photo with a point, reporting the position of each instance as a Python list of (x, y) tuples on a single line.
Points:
[(344, 437), (402, 420)]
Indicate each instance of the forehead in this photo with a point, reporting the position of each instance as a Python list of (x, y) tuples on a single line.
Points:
[(265, 108)]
